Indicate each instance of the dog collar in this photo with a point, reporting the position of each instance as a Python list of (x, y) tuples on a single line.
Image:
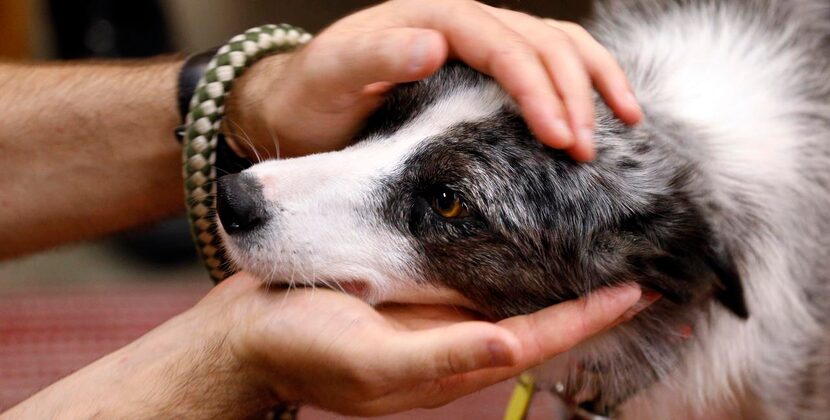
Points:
[(201, 135), (519, 405), (587, 409)]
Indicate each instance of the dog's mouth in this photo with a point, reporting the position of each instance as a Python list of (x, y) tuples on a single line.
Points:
[(432, 296), (358, 289), (420, 295)]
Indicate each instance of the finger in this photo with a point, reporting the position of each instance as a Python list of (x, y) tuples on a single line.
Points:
[(647, 298), (234, 286), (486, 44), (446, 351), (583, 151), (542, 335), (606, 73), (565, 68), (420, 317), (574, 86), (554, 330), (350, 62)]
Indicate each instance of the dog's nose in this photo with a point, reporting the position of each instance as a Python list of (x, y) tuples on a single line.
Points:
[(239, 203)]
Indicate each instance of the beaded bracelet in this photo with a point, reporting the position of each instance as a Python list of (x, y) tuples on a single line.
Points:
[(201, 143)]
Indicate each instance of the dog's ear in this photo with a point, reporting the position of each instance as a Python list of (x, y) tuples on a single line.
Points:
[(677, 270), (729, 289), (685, 266)]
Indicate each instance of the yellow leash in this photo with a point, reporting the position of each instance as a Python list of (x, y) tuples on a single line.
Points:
[(519, 403)]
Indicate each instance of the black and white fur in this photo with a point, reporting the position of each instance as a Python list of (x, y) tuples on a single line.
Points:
[(720, 201)]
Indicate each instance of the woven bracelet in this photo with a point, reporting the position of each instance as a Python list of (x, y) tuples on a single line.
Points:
[(202, 129)]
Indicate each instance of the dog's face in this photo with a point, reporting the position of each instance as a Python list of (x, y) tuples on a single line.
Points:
[(448, 198)]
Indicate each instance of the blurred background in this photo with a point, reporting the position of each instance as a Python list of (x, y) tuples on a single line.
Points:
[(64, 308)]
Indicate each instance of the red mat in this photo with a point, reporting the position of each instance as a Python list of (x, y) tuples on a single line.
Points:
[(45, 336)]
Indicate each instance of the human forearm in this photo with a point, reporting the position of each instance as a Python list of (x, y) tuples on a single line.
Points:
[(179, 370), (85, 149)]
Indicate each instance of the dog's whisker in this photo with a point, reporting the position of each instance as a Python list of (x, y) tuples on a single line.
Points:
[(313, 267), (274, 140), (221, 171), (249, 140)]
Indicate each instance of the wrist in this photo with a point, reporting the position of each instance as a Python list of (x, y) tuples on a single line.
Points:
[(182, 369), (199, 374)]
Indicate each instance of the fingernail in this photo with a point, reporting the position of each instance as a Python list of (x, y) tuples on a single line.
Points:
[(632, 100), (629, 293), (586, 135), (651, 296), (589, 151), (419, 51), (500, 355), (646, 299), (562, 132)]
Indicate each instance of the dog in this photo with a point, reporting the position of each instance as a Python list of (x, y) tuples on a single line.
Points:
[(719, 201)]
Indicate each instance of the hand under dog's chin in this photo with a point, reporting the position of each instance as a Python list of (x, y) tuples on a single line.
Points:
[(362, 287)]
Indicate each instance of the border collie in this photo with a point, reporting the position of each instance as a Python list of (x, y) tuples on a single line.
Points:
[(720, 201)]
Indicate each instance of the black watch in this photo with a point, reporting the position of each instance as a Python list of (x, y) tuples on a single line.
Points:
[(192, 70), (227, 161)]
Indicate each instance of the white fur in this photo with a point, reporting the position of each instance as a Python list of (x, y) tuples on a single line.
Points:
[(734, 79)]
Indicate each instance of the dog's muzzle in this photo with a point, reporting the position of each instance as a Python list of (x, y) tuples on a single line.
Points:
[(240, 203)]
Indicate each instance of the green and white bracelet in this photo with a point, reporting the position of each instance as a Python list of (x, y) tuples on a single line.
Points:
[(202, 130)]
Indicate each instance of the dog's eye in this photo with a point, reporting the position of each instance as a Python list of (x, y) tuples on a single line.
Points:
[(448, 204)]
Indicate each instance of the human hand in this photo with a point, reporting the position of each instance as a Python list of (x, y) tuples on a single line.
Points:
[(336, 352), (244, 348), (317, 99)]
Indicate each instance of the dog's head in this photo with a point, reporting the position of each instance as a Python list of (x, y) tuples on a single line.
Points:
[(448, 198)]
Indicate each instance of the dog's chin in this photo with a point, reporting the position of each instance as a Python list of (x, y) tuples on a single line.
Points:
[(366, 290), (413, 295), (420, 295), (434, 296)]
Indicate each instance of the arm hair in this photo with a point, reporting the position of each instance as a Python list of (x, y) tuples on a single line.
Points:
[(86, 149)]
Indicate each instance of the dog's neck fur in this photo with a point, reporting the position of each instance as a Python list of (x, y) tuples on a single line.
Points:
[(750, 84)]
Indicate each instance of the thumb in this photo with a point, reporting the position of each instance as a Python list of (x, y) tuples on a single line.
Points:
[(397, 55), (440, 352)]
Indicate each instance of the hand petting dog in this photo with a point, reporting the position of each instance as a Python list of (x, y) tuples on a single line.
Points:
[(317, 99)]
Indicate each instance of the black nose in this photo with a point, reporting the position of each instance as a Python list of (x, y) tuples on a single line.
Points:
[(239, 203)]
